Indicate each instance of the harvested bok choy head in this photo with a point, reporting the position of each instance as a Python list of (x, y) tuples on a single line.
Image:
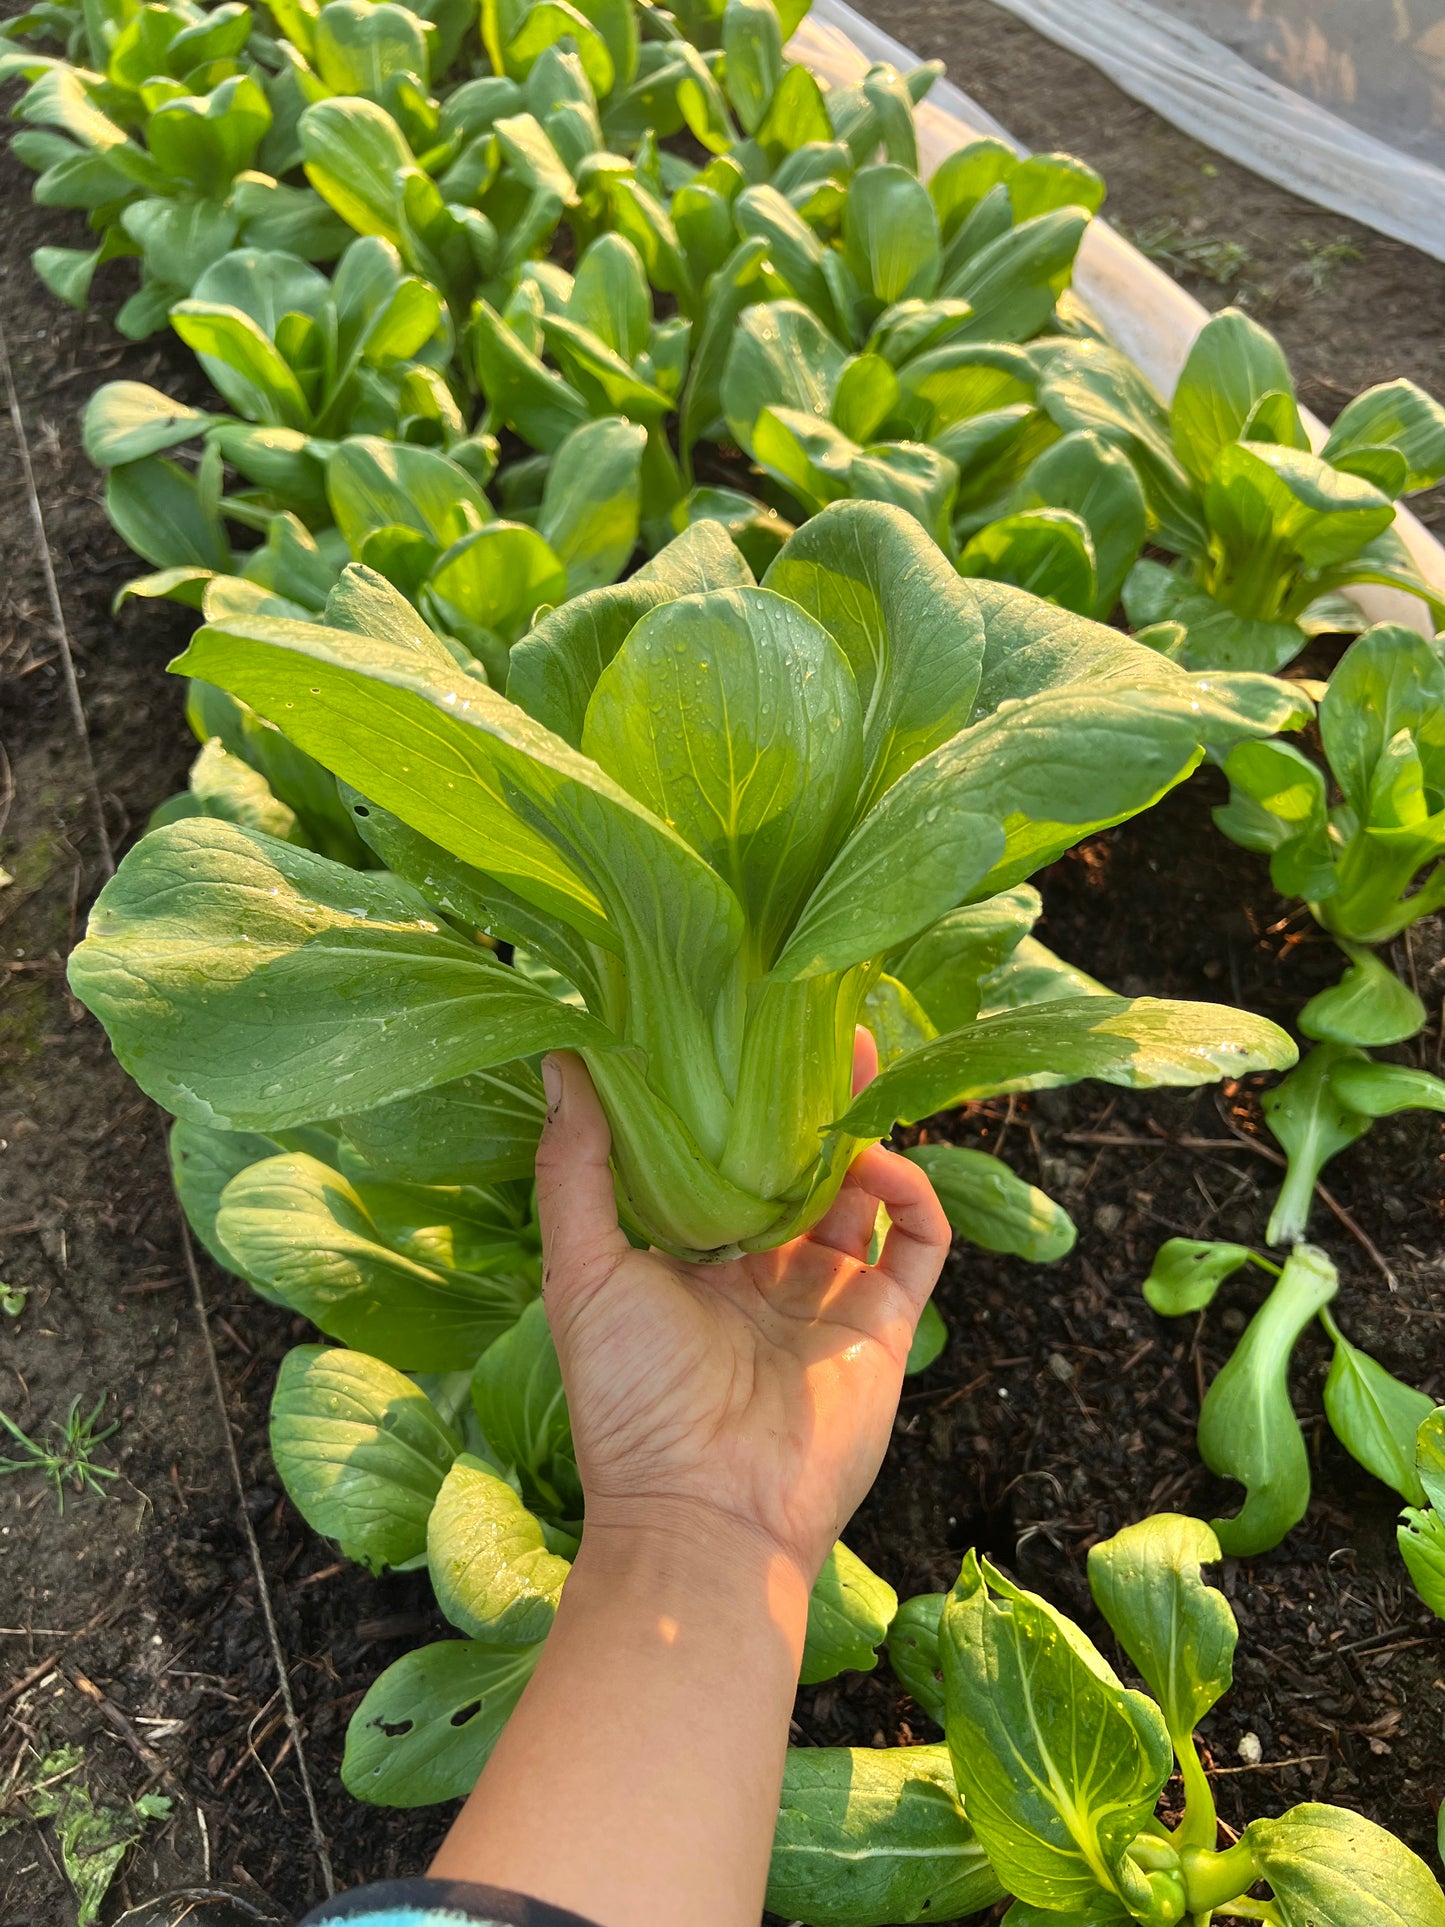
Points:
[(711, 816)]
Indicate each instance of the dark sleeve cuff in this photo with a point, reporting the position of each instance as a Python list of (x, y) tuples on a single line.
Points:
[(441, 1903)]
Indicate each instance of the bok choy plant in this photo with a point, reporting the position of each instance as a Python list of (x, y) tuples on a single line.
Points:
[(417, 517), (1267, 531), (423, 1277), (884, 373), (1000, 968), (1333, 1097), (721, 814), (1049, 1784), (162, 125), (1361, 841), (1421, 1533), (1247, 1426), (842, 366), (1367, 859)]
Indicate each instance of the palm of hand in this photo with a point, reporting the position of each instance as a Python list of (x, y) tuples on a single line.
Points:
[(762, 1390)]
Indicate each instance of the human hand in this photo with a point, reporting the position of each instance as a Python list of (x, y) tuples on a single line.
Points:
[(727, 1420), (758, 1393)]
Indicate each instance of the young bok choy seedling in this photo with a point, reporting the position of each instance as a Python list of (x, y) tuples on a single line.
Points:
[(1247, 1425), (1367, 860), (1058, 1770), (1267, 531)]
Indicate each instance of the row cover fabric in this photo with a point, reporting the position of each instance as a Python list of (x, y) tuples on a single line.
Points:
[(1214, 93), (1381, 68), (1146, 314)]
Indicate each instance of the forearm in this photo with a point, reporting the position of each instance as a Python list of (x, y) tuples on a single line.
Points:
[(644, 1760)]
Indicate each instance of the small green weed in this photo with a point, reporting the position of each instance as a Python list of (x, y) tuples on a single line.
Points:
[(66, 1456), (1211, 256), (12, 1298), (1322, 258), (93, 1839)]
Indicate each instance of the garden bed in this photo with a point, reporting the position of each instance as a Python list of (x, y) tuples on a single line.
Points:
[(1062, 1408)]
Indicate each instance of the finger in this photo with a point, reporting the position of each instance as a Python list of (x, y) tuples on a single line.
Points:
[(848, 1223), (576, 1203), (865, 1058), (918, 1234)]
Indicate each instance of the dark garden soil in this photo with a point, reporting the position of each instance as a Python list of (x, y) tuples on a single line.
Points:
[(1062, 1408)]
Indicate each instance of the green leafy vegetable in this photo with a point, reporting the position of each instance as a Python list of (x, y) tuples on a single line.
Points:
[(913, 1651), (464, 795), (1369, 1005), (849, 1614), (361, 1450), (494, 1576), (425, 1728), (1267, 531), (736, 925), (865, 1837), (1313, 1123), (989, 1206), (1324, 1864), (1374, 1416), (1384, 741), (1059, 1766), (1247, 1427), (1421, 1532), (930, 1339), (1178, 1631), (418, 1277), (1187, 1272)]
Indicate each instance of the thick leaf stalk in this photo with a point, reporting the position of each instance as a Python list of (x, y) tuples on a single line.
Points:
[(1311, 1122), (1247, 1427)]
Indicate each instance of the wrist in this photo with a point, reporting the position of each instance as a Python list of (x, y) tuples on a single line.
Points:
[(685, 1565)]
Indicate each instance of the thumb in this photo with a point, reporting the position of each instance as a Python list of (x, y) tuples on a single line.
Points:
[(576, 1204)]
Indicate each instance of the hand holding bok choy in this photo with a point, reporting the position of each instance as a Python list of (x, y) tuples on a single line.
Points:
[(653, 1352)]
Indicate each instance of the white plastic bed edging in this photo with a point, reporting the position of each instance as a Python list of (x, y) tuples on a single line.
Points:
[(1148, 316)]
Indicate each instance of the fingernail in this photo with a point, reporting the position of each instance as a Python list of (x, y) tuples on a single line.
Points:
[(552, 1083)]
